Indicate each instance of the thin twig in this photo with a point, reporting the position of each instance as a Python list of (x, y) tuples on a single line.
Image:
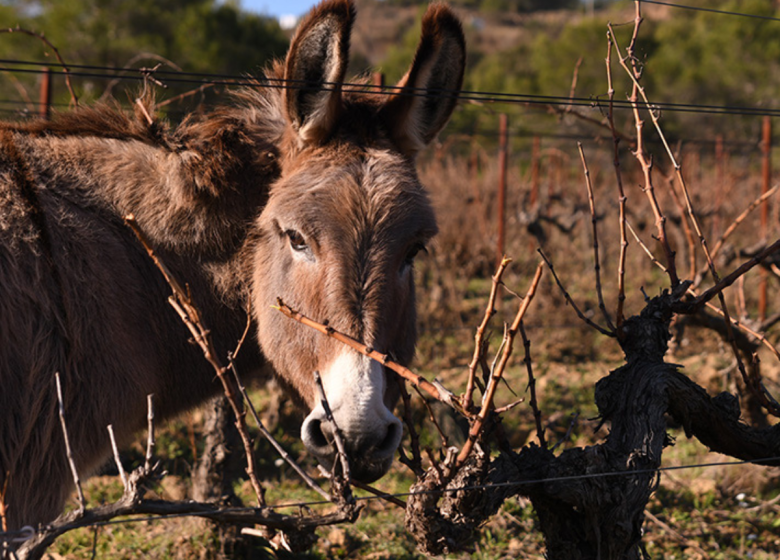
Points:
[(689, 204), (729, 279), (479, 347), (185, 307), (20, 89), (680, 538), (71, 461), (569, 430), (690, 240), (444, 439), (385, 496), (339, 441), (573, 88), (117, 459), (508, 407), (498, 371), (593, 221), (570, 301), (107, 92), (753, 205), (641, 156), (184, 95), (203, 339), (621, 298), (73, 97), (645, 248), (690, 307), (263, 430), (150, 433), (435, 389), (3, 507), (532, 389), (415, 463)]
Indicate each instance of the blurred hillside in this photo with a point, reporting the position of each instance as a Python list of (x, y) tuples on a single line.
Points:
[(691, 57)]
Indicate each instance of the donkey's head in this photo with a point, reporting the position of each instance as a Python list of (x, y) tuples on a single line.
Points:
[(343, 224)]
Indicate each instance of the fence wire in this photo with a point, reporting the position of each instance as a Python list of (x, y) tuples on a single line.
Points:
[(598, 101), (27, 532), (711, 10)]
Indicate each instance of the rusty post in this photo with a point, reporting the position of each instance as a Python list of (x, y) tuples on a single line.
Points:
[(553, 179), (720, 184), (479, 205), (378, 80), (44, 107), (503, 142), (535, 157), (766, 179)]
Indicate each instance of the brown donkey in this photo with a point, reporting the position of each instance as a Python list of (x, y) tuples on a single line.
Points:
[(307, 193)]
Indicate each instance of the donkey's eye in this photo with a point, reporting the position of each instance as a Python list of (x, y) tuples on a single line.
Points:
[(297, 242), (411, 254)]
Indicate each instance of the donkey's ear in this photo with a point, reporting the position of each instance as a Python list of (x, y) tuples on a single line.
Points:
[(315, 68), (429, 93)]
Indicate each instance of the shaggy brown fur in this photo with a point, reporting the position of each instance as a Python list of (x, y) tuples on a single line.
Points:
[(226, 199)]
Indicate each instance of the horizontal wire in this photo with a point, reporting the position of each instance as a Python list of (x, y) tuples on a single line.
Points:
[(510, 484), (711, 10), (463, 95), (33, 112)]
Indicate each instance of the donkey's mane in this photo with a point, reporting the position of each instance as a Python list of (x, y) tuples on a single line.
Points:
[(253, 105), (105, 120)]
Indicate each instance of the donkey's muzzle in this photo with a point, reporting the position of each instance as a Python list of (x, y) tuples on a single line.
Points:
[(370, 451)]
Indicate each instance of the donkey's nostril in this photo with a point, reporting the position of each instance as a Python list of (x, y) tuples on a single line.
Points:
[(317, 435), (390, 442)]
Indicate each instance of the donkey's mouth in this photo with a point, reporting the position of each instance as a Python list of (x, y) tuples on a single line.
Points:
[(368, 458), (371, 470), (363, 470)]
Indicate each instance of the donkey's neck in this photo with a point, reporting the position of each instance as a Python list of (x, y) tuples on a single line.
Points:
[(194, 192)]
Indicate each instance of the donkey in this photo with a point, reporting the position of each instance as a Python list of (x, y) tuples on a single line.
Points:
[(306, 192)]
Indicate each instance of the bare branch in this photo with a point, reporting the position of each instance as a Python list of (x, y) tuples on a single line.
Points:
[(150, 433), (740, 271), (34, 548), (107, 92), (752, 206), (73, 97), (532, 389), (71, 461), (574, 77), (686, 228), (574, 418), (188, 312), (498, 371), (690, 307), (444, 439), (385, 496), (117, 460), (570, 301), (342, 487), (185, 95), (271, 439), (415, 463), (646, 165), (621, 298), (597, 260), (490, 310), (434, 389)]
